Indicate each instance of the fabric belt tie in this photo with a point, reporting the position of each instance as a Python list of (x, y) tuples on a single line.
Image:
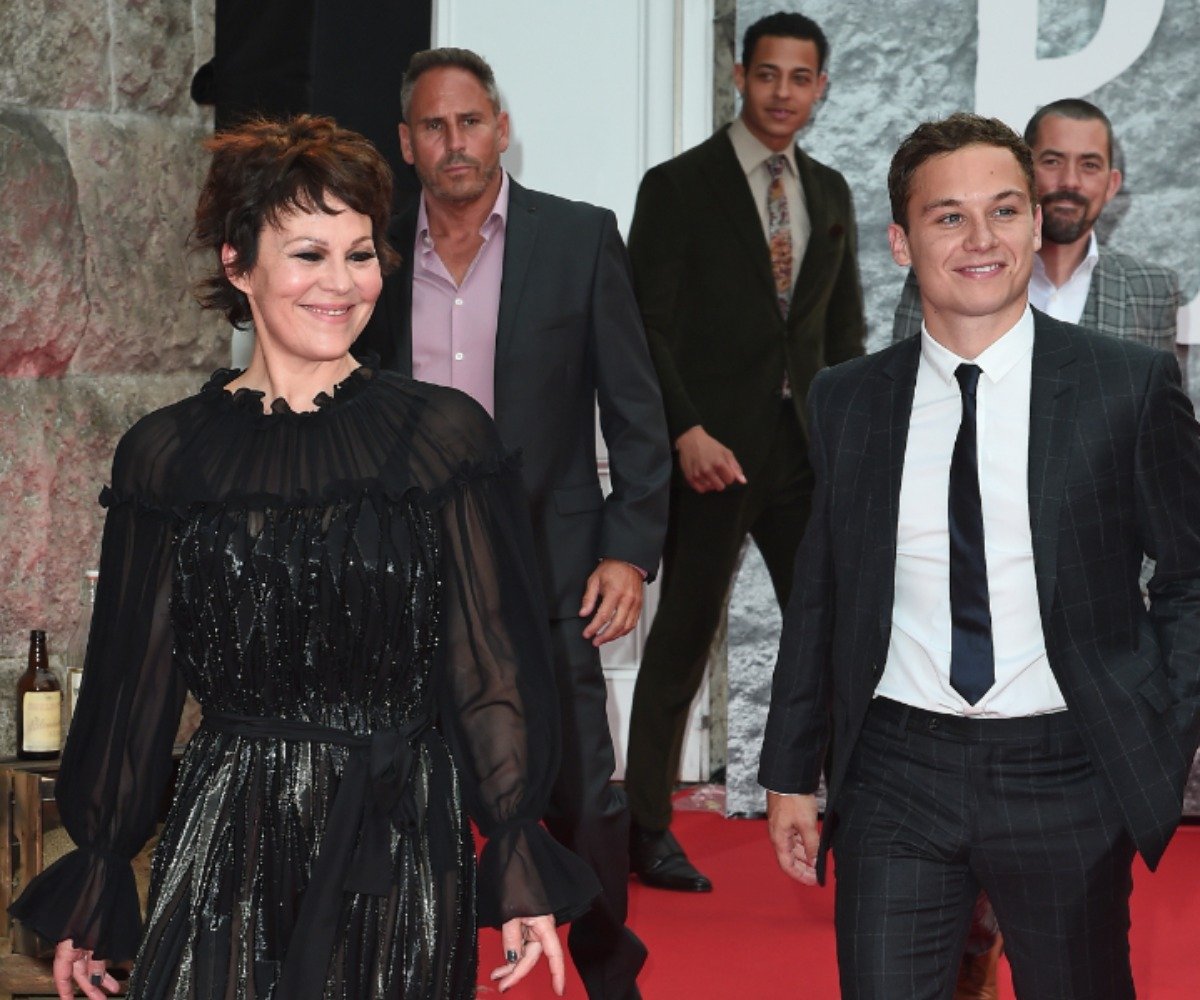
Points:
[(375, 795)]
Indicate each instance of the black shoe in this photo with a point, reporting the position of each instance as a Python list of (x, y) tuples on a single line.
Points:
[(656, 858)]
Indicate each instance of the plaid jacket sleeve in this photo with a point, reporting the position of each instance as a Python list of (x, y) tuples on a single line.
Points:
[(907, 322), (1133, 299)]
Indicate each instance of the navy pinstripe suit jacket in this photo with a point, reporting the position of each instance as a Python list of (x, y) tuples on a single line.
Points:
[(1114, 472)]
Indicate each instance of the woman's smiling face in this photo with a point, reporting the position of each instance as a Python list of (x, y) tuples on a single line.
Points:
[(314, 283)]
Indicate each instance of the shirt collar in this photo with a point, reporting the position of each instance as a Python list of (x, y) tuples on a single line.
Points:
[(496, 220), (752, 154), (1084, 268), (996, 362)]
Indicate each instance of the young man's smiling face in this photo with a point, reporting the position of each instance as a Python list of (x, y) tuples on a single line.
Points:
[(972, 230)]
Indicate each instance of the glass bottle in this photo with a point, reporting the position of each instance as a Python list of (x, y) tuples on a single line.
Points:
[(39, 705), (77, 646)]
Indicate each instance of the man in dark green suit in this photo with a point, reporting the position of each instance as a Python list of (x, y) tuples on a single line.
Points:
[(743, 253)]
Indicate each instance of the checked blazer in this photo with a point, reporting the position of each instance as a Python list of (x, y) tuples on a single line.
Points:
[(1114, 472), (1127, 298)]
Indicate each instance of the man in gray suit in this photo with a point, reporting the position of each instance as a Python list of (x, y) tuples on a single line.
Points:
[(525, 302), (966, 629), (1074, 278)]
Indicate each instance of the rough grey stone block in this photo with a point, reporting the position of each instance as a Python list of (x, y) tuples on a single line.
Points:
[(41, 251), (57, 438), (54, 54), (138, 181), (153, 53)]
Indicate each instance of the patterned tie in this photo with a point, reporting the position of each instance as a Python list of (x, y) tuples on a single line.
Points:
[(779, 232), (972, 659)]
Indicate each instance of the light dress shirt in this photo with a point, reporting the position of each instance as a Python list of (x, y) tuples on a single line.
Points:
[(752, 155), (917, 670), (454, 326), (1064, 302)]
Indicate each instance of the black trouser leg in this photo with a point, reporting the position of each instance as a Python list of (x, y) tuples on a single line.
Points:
[(931, 809), (704, 536), (589, 815)]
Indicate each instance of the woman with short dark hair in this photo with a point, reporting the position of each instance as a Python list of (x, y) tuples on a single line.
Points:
[(336, 561)]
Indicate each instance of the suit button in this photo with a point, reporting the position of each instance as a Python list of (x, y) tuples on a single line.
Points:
[(933, 724)]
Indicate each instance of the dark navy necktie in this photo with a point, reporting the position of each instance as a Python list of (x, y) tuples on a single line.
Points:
[(972, 660)]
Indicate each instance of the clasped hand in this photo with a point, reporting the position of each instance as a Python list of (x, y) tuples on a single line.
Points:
[(706, 464), (524, 940), (792, 827), (75, 967)]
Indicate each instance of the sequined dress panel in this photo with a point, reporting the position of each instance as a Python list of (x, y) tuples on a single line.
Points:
[(326, 583)]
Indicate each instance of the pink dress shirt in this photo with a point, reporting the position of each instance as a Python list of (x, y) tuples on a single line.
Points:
[(454, 326)]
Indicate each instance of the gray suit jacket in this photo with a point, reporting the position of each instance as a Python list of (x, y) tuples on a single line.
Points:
[(1128, 298), (568, 336), (1114, 472)]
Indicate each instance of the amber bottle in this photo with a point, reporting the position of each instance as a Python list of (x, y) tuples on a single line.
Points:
[(39, 705)]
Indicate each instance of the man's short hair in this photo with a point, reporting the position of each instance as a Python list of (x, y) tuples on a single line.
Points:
[(931, 139), (1077, 110), (787, 25), (463, 59)]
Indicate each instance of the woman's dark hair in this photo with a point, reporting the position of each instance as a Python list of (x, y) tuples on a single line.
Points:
[(264, 169)]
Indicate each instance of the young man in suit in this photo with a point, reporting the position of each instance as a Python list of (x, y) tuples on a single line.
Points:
[(967, 626), (524, 301), (743, 254), (1074, 278), (1078, 281)]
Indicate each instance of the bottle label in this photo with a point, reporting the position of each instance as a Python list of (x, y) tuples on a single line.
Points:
[(43, 722)]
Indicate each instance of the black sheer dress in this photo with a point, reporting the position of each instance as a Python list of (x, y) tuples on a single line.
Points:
[(349, 594)]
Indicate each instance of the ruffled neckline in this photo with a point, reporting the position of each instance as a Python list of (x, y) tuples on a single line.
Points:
[(250, 401)]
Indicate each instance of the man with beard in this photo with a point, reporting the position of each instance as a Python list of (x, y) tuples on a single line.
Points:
[(1074, 278), (525, 302)]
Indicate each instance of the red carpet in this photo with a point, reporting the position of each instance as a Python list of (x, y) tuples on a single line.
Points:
[(760, 936)]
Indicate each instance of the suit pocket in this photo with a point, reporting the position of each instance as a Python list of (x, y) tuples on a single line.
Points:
[(578, 499), (1157, 692)]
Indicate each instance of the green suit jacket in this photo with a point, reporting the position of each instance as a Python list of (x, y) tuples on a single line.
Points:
[(702, 274)]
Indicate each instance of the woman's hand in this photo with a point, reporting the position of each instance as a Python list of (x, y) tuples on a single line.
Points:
[(76, 967), (525, 938)]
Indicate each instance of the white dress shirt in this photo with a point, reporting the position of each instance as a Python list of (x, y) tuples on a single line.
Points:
[(917, 671), (1064, 302), (752, 155)]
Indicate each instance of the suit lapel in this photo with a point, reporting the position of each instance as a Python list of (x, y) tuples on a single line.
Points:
[(520, 237), (818, 258), (402, 234), (731, 191), (1053, 399), (891, 412)]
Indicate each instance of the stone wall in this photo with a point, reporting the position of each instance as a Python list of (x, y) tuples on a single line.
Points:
[(895, 65), (100, 162)]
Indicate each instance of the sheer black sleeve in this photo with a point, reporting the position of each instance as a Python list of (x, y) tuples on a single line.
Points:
[(499, 709), (118, 753)]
